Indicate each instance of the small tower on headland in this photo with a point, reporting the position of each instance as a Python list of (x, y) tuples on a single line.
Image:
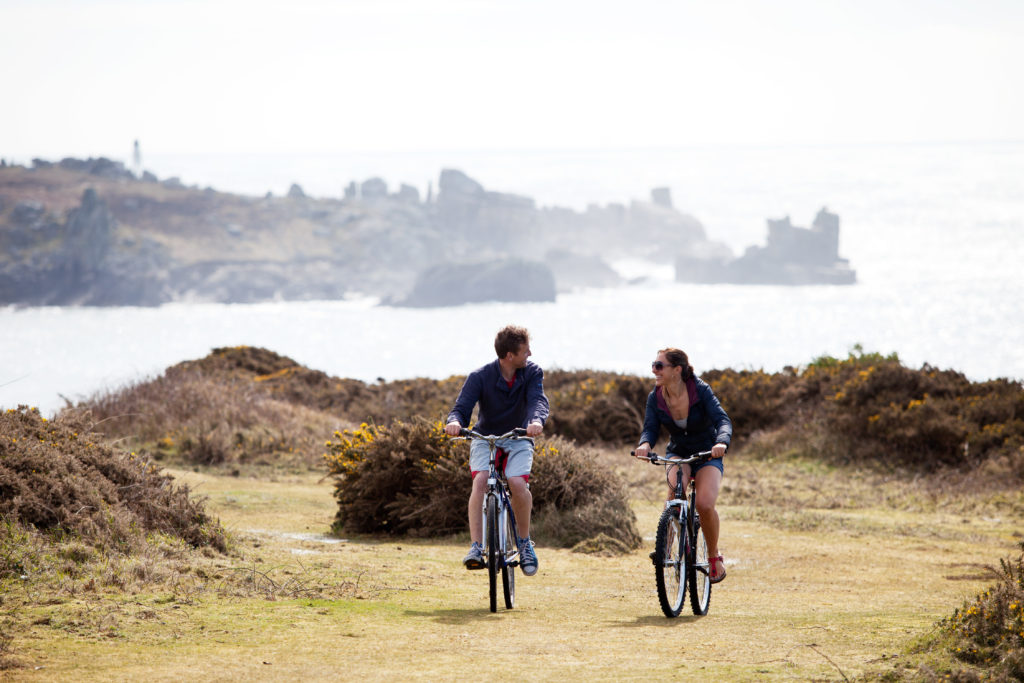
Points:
[(137, 160)]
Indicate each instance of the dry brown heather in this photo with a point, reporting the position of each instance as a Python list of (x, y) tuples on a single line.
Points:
[(60, 477), (873, 516), (249, 404)]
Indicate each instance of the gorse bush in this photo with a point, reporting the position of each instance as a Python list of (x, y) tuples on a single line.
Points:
[(754, 399), (590, 407), (59, 477), (988, 632), (577, 500), (410, 478), (869, 407), (916, 417)]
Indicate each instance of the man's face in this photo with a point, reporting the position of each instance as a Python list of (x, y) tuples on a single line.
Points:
[(518, 359)]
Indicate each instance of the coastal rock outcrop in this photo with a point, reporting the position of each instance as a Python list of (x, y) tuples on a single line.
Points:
[(572, 270), (791, 256), (451, 284), (133, 239)]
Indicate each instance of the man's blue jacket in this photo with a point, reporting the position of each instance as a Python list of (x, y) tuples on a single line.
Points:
[(502, 408)]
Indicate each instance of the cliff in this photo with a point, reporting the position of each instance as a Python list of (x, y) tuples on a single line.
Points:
[(90, 232)]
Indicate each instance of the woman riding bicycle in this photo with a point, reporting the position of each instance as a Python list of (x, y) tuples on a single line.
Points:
[(696, 421)]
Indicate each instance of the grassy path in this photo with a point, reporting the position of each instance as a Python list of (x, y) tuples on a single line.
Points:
[(811, 595)]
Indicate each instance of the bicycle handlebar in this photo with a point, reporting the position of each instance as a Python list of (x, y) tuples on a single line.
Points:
[(515, 434), (656, 459)]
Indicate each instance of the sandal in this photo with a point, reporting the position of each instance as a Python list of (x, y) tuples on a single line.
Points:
[(714, 576)]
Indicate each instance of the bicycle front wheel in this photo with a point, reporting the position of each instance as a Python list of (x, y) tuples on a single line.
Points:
[(492, 550), (508, 550), (670, 562), (699, 573)]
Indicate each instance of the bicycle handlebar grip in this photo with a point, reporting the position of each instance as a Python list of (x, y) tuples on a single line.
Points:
[(651, 456), (519, 431)]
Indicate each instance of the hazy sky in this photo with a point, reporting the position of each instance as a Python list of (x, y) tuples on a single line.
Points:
[(86, 77)]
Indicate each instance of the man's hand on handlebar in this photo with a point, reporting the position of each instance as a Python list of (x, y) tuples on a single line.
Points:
[(455, 429)]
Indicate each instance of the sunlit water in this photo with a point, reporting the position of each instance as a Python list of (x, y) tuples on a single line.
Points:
[(935, 233)]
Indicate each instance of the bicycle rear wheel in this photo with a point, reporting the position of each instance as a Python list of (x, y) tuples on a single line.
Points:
[(699, 573), (508, 550), (670, 562), (492, 550)]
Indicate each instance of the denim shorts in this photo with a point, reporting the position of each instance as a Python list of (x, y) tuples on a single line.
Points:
[(520, 456), (694, 469)]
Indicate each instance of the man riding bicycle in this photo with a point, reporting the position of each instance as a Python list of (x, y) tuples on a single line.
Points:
[(510, 392)]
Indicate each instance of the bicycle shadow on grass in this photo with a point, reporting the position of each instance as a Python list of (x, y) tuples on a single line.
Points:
[(659, 620), (456, 616)]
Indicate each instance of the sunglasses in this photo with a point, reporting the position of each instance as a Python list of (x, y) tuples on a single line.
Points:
[(658, 365)]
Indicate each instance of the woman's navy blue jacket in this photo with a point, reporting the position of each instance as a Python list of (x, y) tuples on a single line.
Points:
[(706, 424), (502, 408)]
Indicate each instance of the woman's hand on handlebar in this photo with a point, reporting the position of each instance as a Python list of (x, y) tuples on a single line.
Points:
[(642, 451), (718, 450)]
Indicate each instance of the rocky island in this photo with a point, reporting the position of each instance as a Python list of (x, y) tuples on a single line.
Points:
[(791, 256), (92, 232)]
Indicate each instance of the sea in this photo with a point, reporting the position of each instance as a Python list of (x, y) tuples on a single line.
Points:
[(934, 231)]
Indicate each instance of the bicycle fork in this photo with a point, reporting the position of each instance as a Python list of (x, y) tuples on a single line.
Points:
[(679, 509)]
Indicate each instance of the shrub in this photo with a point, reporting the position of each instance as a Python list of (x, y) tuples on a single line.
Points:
[(578, 500), (193, 417), (246, 404), (754, 399), (280, 377), (410, 478), (989, 631), (590, 407), (58, 476), (915, 417)]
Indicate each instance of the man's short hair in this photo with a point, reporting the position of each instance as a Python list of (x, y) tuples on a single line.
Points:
[(510, 339)]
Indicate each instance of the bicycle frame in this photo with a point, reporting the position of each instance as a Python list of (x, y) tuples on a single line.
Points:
[(497, 489)]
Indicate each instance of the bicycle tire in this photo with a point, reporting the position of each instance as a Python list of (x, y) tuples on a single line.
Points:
[(670, 562), (698, 573), (492, 550), (508, 573)]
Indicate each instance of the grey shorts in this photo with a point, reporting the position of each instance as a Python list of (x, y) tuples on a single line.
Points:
[(520, 456)]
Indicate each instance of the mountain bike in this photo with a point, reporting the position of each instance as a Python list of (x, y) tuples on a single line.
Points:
[(501, 539), (680, 552)]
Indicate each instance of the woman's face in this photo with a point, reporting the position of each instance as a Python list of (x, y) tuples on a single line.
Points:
[(664, 372)]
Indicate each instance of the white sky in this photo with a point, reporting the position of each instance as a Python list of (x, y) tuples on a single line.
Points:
[(86, 77)]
